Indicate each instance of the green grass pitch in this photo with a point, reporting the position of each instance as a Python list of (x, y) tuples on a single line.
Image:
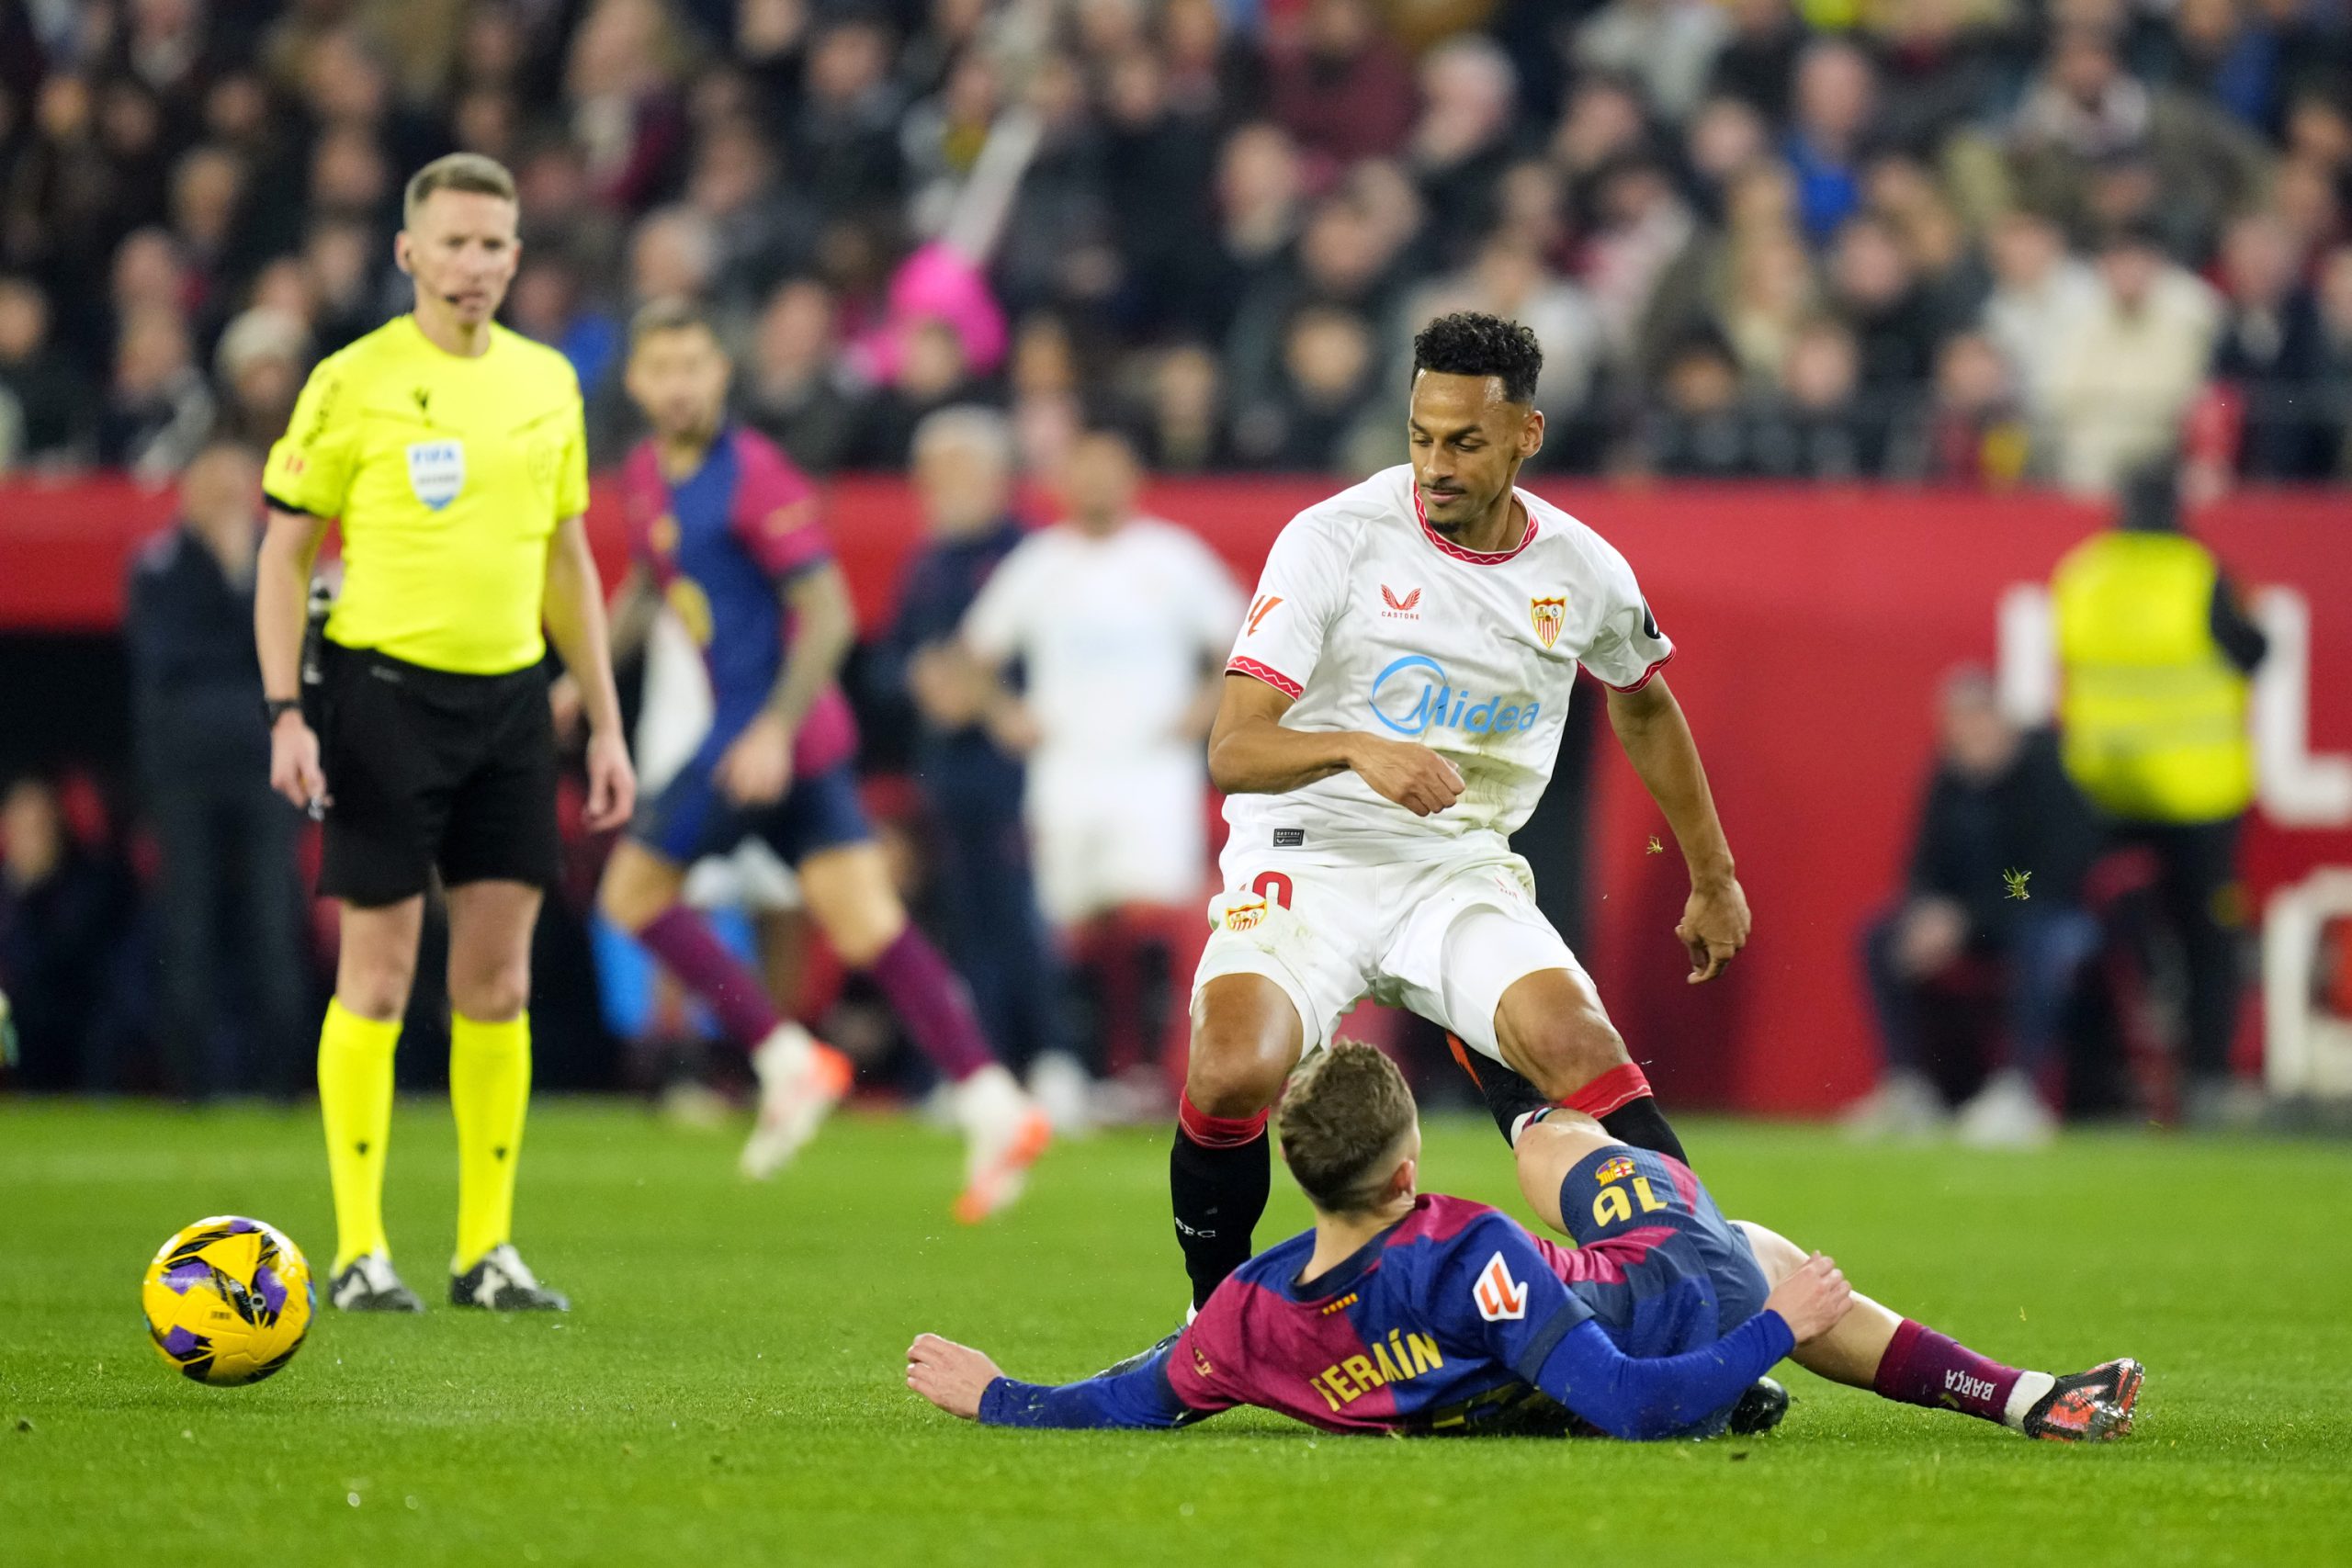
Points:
[(728, 1387)]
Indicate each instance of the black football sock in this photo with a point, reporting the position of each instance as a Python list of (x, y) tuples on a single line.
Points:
[(1640, 1123), (1219, 1189), (1509, 1095)]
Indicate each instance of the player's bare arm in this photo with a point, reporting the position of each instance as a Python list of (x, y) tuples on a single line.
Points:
[(757, 768), (1656, 740), (1251, 752), (281, 598), (575, 611), (628, 618)]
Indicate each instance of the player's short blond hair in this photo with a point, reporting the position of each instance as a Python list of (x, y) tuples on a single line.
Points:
[(1342, 1115), (470, 172)]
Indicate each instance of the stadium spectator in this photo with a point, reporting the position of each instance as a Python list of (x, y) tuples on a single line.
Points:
[(1644, 229), (64, 911), (550, 304), (2038, 291), (1159, 170), (1999, 802), (972, 786), (2268, 355), (1874, 287), (1259, 212), (1329, 360), (843, 142), (1149, 170), (54, 401), (1945, 60), (1463, 138), (1343, 258), (2334, 392), (932, 374), (1343, 89), (1770, 293), (1668, 45), (231, 912), (159, 409), (762, 227), (1827, 425), (1604, 124), (1186, 434), (1974, 433), (1702, 429), (621, 80), (2158, 652), (2088, 118), (1835, 95), (792, 388), (2123, 372), (259, 366), (1757, 61)]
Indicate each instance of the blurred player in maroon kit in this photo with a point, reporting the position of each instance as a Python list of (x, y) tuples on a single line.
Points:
[(726, 529)]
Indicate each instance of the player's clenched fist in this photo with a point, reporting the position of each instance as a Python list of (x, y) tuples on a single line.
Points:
[(1407, 772), (1812, 1300), (951, 1376)]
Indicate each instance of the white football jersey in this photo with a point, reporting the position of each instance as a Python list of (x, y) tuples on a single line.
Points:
[(1116, 635), (1373, 621)]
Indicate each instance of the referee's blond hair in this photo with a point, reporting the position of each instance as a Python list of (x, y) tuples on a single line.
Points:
[(470, 172)]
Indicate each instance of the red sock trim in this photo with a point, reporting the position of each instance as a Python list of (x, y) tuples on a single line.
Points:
[(1897, 1355), (1613, 1090), (1217, 1132)]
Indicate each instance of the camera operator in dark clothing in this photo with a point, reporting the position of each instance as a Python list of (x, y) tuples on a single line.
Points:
[(1996, 873), (230, 906)]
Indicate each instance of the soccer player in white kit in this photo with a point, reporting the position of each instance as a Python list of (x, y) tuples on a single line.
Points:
[(1392, 712)]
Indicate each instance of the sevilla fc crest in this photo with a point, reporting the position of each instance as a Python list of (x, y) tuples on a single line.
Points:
[(1548, 615)]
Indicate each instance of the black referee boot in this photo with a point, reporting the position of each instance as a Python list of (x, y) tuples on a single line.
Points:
[(504, 1282)]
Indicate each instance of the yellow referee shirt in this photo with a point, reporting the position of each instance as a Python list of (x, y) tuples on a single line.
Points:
[(449, 476)]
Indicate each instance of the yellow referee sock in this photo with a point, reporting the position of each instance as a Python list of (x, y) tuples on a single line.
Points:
[(490, 1086), (355, 1102)]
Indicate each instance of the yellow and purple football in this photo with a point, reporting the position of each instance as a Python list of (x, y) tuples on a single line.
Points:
[(228, 1301)]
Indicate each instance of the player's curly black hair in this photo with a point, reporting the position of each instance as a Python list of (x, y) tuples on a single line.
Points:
[(1471, 343)]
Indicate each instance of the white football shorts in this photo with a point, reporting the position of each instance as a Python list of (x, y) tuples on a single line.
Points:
[(1105, 833), (1444, 937)]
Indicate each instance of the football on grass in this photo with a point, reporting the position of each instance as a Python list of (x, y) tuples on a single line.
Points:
[(228, 1301)]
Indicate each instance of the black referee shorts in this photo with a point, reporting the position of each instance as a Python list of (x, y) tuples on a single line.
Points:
[(427, 768)]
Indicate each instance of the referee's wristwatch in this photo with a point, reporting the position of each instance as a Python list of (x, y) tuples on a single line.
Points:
[(274, 708)]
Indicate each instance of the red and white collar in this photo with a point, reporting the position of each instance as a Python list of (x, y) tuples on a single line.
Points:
[(1475, 558)]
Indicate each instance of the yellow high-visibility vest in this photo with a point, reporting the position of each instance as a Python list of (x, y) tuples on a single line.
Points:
[(2153, 714)]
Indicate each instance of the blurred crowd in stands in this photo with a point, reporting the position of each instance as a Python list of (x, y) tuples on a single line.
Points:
[(1955, 241)]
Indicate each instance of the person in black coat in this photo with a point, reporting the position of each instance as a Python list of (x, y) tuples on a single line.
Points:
[(230, 910), (67, 914), (971, 787), (1996, 873)]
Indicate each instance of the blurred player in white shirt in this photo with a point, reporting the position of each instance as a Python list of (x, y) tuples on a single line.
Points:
[(1120, 623), (1391, 713)]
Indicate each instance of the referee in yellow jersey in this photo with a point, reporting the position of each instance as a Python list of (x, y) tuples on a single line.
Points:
[(453, 453)]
